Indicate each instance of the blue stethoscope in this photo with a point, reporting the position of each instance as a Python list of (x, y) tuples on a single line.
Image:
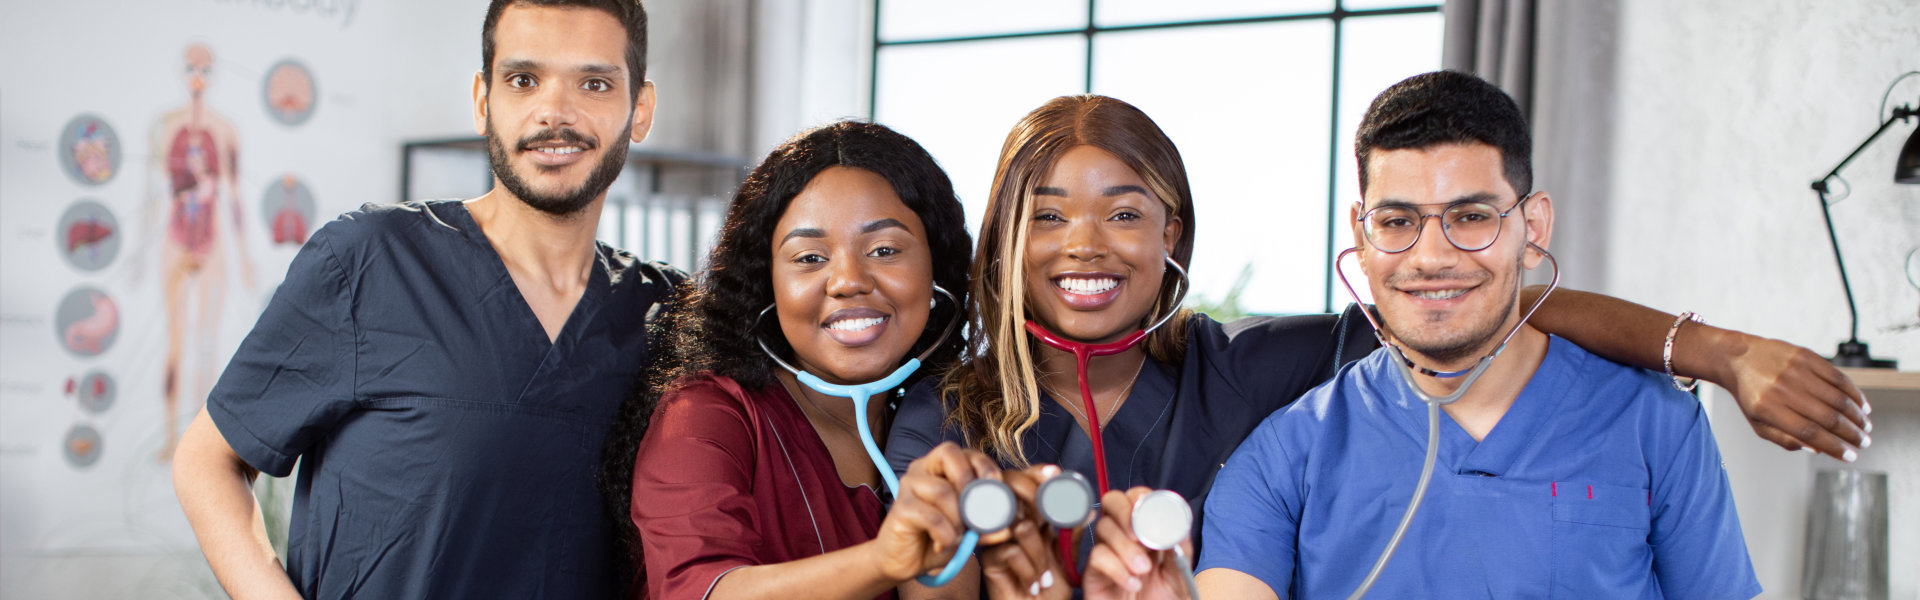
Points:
[(860, 393), (1407, 370)]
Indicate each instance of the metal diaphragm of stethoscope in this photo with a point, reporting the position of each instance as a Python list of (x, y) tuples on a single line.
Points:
[(1407, 370), (988, 506), (860, 393), (1161, 520), (1067, 502)]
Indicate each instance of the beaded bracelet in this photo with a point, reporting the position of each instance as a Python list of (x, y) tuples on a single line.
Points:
[(1666, 352)]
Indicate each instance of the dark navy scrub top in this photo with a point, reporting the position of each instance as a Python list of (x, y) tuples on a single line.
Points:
[(446, 448), (1180, 422)]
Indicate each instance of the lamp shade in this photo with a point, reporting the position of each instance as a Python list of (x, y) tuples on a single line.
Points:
[(1907, 170)]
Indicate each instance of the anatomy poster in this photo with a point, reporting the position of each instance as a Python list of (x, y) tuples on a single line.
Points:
[(160, 164)]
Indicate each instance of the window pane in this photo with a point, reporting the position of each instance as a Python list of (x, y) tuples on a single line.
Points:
[(924, 19), (1376, 52), (959, 100), (1109, 13), (1380, 4), (1249, 108)]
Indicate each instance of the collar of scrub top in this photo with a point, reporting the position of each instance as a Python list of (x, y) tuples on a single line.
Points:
[(860, 393), (1084, 352), (1407, 366)]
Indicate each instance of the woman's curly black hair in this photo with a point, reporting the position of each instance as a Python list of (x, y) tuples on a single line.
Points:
[(709, 326)]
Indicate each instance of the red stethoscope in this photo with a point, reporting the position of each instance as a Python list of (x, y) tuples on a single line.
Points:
[(1083, 354)]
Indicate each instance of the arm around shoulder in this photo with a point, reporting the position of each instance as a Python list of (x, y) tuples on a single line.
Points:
[(1790, 395)]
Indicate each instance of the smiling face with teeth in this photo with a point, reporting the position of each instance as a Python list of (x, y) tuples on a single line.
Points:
[(1096, 247), (1449, 305), (852, 276), (560, 107)]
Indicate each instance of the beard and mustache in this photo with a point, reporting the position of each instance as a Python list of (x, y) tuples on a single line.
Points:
[(1472, 339), (564, 203)]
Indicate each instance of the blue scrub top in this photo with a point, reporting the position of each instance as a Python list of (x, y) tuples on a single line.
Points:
[(1180, 422), (1601, 481), (446, 448)]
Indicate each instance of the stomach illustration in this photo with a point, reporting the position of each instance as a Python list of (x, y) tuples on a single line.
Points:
[(89, 335)]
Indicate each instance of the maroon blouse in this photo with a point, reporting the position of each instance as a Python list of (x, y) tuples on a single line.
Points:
[(727, 478)]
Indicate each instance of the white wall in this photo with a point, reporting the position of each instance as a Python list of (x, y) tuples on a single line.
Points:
[(1723, 111), (1727, 110)]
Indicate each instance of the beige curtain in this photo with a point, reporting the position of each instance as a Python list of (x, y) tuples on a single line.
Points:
[(1556, 58)]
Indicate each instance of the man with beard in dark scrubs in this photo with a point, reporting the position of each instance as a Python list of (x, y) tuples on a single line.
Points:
[(444, 372)]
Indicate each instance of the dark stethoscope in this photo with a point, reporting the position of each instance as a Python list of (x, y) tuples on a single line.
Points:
[(983, 495), (1083, 354), (1161, 520), (1407, 370)]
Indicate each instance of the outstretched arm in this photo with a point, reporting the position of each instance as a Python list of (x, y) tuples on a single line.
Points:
[(1791, 396)]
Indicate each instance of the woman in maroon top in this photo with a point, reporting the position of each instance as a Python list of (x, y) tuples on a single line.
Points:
[(748, 484)]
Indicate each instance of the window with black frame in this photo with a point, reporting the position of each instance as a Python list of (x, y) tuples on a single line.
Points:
[(1261, 96)]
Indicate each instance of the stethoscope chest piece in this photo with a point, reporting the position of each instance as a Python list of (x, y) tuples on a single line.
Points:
[(987, 506), (1066, 500), (1162, 519)]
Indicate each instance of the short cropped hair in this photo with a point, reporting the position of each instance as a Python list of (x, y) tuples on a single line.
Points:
[(1448, 107)]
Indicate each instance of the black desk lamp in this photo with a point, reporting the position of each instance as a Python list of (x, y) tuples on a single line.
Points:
[(1853, 352)]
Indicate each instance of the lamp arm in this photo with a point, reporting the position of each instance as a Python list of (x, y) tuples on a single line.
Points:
[(1846, 285), (1900, 113)]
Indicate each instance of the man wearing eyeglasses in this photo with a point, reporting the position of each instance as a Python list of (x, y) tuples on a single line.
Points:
[(1558, 473)]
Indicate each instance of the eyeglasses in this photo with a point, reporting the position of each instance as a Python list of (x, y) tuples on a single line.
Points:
[(1470, 226)]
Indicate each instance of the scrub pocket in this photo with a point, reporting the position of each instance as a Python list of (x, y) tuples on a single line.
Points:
[(1600, 539)]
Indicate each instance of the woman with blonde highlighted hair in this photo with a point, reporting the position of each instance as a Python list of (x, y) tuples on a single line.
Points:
[(999, 396)]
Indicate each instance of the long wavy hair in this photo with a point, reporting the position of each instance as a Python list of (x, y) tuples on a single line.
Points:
[(709, 328), (995, 398)]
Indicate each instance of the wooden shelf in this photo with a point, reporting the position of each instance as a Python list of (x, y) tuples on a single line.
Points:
[(1870, 380)]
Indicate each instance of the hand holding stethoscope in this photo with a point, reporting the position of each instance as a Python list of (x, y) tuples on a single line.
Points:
[(930, 526), (1143, 548), (1054, 505), (1154, 522)]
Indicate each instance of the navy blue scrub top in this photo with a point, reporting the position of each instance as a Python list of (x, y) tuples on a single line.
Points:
[(1179, 423), (446, 448)]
